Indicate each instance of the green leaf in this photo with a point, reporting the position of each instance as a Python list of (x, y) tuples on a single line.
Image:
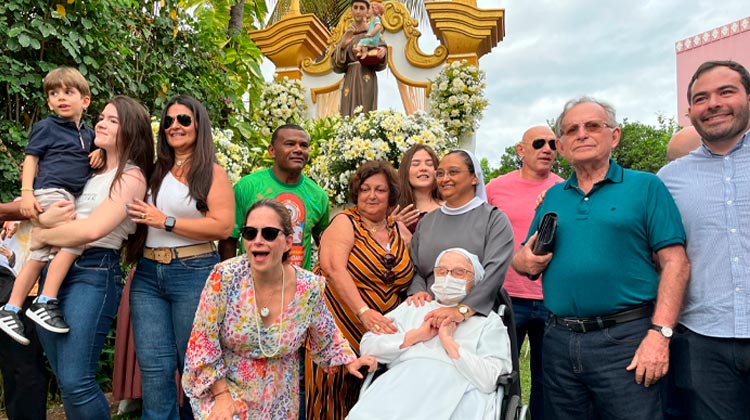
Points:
[(12, 44), (24, 40), (14, 32)]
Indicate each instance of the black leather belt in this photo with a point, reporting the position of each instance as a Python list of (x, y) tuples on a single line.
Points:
[(583, 325)]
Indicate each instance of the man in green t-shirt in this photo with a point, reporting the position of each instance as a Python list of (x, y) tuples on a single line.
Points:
[(284, 182)]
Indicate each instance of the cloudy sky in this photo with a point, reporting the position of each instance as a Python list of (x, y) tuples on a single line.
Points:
[(621, 52)]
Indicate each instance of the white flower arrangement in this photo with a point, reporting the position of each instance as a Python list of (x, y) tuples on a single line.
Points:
[(457, 98), (281, 102), (230, 154), (377, 135)]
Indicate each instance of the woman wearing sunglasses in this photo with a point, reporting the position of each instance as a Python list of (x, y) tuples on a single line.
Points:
[(190, 205), (364, 256), (464, 221), (254, 314)]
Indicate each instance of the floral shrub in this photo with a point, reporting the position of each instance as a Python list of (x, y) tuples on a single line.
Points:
[(232, 155), (281, 102), (382, 135), (457, 98)]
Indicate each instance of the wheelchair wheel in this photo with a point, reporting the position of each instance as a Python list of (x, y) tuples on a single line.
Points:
[(512, 408)]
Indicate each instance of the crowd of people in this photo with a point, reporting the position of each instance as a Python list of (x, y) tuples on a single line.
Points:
[(640, 310)]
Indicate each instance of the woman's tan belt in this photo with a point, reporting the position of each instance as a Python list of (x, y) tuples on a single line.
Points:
[(166, 255)]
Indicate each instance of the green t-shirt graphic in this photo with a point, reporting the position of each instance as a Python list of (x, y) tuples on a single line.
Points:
[(306, 201)]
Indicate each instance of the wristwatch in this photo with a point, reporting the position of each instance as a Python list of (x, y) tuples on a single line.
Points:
[(463, 310), (665, 331), (169, 223)]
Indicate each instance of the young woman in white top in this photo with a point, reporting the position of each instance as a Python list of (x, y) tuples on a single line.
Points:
[(190, 205), (91, 291)]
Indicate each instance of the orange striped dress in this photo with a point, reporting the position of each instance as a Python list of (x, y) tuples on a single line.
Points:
[(331, 394)]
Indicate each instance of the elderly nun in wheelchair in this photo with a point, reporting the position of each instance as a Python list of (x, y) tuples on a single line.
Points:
[(448, 372)]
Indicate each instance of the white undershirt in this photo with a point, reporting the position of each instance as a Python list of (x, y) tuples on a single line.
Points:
[(174, 200), (94, 193)]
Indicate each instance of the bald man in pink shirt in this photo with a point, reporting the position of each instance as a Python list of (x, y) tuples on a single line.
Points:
[(515, 194)]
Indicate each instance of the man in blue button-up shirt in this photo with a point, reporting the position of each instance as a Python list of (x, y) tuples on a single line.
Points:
[(711, 185)]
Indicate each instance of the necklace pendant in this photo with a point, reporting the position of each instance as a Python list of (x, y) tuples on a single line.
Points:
[(264, 311)]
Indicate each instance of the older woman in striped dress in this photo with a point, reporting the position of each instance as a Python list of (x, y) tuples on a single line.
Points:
[(364, 255)]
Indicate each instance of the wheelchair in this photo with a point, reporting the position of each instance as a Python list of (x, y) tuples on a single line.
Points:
[(508, 391)]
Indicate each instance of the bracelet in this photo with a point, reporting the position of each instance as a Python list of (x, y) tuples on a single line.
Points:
[(362, 310), (27, 189), (221, 392)]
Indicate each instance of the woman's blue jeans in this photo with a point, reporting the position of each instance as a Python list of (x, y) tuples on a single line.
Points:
[(163, 300), (89, 298)]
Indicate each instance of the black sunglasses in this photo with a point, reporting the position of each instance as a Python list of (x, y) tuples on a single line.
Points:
[(184, 119), (268, 233), (539, 143), (389, 261)]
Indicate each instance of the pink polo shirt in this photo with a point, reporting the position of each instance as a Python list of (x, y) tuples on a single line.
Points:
[(516, 197)]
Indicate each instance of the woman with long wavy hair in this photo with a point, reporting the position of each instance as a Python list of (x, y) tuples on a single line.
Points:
[(190, 205), (419, 189), (90, 294)]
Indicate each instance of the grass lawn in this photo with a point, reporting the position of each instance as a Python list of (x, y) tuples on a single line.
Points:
[(525, 372)]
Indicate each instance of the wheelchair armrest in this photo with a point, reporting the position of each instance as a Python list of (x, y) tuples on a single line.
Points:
[(507, 379)]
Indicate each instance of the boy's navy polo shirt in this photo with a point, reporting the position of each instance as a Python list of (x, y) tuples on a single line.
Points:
[(602, 261), (63, 154)]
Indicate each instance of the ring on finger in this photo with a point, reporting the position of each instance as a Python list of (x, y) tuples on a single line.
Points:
[(143, 215), (377, 327)]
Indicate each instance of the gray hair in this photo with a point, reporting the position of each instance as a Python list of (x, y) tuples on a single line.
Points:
[(609, 109)]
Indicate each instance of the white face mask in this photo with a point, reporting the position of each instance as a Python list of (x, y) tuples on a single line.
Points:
[(449, 290)]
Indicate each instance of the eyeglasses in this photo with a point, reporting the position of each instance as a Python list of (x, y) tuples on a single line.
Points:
[(268, 233), (389, 261), (183, 119), (450, 172), (456, 272), (591, 127), (539, 143)]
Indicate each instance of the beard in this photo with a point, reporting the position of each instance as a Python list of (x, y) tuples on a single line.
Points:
[(724, 132)]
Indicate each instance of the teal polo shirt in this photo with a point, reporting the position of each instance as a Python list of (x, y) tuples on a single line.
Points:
[(602, 261)]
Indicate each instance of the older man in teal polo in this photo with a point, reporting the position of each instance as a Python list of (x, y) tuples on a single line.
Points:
[(612, 309)]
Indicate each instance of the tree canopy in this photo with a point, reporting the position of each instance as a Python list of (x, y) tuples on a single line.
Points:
[(642, 147), (150, 50)]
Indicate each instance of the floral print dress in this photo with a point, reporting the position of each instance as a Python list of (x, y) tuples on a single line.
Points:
[(225, 337)]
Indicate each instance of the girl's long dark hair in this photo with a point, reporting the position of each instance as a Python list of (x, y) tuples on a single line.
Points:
[(134, 138), (135, 144)]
